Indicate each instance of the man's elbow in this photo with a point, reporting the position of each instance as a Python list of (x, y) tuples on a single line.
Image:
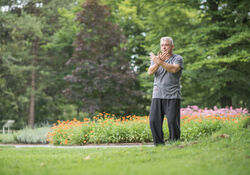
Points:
[(175, 70)]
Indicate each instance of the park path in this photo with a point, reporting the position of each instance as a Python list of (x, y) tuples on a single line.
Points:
[(125, 145)]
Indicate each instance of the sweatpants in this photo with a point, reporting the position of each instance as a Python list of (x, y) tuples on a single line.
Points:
[(171, 108)]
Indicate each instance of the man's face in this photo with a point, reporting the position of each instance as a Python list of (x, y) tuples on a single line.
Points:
[(166, 46)]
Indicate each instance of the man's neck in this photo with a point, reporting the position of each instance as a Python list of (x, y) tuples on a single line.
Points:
[(169, 56)]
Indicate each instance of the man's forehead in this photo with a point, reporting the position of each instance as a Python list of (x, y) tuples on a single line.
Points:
[(165, 42)]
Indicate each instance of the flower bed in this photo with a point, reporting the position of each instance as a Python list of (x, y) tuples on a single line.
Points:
[(106, 128)]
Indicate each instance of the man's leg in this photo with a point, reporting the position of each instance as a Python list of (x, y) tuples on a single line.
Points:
[(156, 116), (173, 117)]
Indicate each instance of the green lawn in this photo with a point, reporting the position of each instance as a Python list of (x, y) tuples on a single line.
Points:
[(211, 155)]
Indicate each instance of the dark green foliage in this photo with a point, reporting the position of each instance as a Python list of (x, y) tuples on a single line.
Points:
[(212, 36), (217, 72), (102, 79), (19, 29)]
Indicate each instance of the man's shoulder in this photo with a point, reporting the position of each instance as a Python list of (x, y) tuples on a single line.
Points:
[(177, 56)]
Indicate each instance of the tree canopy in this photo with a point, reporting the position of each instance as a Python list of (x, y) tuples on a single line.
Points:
[(61, 59)]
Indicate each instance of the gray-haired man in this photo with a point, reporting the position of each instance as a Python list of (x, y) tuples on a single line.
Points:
[(167, 68)]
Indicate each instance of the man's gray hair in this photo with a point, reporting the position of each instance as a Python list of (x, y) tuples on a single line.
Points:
[(167, 38)]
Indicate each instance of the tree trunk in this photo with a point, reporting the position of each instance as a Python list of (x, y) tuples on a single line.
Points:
[(226, 100), (78, 112), (33, 83)]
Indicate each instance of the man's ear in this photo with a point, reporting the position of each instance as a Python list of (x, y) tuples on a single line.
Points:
[(172, 46)]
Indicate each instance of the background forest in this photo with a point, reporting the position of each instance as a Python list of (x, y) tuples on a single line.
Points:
[(65, 59)]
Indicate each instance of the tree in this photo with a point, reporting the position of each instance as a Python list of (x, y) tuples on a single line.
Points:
[(21, 37), (27, 68), (217, 73), (102, 79), (212, 36), (145, 22)]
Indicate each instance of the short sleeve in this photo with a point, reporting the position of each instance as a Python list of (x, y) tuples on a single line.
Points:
[(179, 60)]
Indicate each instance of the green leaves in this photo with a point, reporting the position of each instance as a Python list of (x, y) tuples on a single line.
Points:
[(211, 36)]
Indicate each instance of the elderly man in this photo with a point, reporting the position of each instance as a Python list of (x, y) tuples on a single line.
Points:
[(167, 69)]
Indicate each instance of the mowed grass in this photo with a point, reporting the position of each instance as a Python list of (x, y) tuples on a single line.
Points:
[(225, 152)]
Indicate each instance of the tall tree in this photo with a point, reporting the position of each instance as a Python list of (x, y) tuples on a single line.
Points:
[(102, 79), (212, 36), (218, 47), (17, 53), (144, 23), (27, 69)]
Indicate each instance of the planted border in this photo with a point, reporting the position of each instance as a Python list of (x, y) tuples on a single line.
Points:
[(106, 128)]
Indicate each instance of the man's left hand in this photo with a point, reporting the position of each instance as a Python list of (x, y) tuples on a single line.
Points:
[(164, 56)]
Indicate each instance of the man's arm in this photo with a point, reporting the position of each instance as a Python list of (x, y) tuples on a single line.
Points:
[(173, 68), (152, 69)]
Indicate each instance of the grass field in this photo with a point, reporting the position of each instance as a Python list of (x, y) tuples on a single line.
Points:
[(225, 152)]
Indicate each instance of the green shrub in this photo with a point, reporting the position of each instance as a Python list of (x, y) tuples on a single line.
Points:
[(194, 129), (34, 136), (8, 138), (246, 123)]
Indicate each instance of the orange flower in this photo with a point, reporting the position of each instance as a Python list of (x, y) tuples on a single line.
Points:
[(66, 142)]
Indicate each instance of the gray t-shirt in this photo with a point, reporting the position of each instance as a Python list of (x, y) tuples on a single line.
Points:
[(167, 84)]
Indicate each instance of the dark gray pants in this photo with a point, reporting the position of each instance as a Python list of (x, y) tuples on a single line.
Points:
[(171, 108)]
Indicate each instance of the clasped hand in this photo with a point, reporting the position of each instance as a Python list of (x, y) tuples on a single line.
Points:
[(159, 59)]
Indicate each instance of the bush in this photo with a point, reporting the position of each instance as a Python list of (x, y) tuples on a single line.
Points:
[(8, 138), (246, 123), (194, 129), (34, 136)]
